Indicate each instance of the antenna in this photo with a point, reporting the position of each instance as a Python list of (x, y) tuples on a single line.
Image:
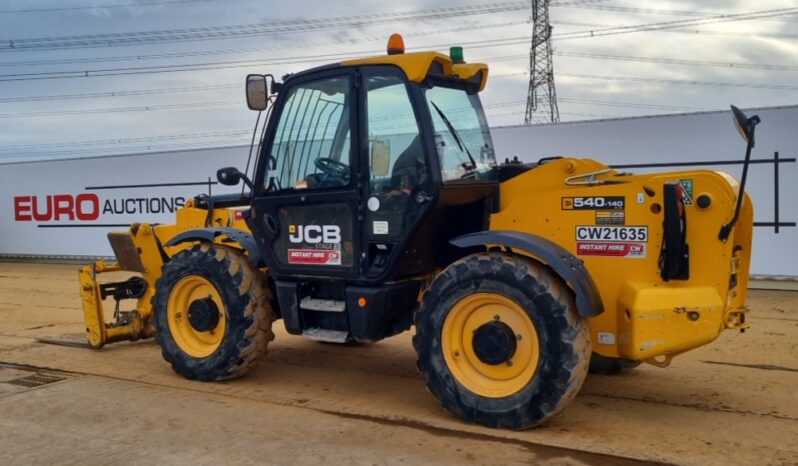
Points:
[(541, 99)]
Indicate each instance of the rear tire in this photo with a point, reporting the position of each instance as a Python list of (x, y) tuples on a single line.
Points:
[(500, 294), (229, 331), (610, 366)]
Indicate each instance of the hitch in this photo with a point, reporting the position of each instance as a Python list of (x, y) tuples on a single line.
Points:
[(127, 325)]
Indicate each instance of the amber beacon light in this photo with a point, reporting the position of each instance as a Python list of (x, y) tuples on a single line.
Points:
[(396, 45)]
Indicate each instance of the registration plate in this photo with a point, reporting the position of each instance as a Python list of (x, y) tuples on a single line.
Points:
[(611, 233)]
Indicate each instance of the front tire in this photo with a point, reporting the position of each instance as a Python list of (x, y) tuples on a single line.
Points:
[(500, 342), (212, 313)]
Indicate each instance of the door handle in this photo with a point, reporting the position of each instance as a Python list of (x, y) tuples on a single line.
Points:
[(272, 225), (423, 197)]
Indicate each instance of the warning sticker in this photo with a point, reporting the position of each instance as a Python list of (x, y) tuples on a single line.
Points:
[(314, 256), (610, 218), (596, 248), (380, 227), (687, 191)]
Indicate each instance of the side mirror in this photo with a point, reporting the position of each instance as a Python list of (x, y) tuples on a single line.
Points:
[(257, 92), (380, 157), (745, 126), (230, 176)]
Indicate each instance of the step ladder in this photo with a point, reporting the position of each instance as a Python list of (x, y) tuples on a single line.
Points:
[(329, 336), (322, 305)]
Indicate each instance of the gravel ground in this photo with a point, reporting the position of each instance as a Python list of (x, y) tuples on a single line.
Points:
[(734, 401)]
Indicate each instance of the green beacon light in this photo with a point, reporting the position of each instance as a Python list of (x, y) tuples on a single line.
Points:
[(456, 54)]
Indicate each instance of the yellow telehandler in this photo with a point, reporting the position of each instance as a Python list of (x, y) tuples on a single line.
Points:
[(376, 203)]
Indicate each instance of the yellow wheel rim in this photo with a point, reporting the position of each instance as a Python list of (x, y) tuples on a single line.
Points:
[(193, 342), (457, 343)]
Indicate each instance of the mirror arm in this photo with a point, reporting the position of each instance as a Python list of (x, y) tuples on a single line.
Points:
[(247, 182), (726, 229), (231, 176)]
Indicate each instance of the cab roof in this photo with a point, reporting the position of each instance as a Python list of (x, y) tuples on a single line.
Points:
[(420, 65)]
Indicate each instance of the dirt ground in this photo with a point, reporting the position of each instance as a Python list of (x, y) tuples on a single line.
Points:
[(734, 401)]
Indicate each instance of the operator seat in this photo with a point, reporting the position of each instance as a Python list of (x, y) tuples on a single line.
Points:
[(410, 169)]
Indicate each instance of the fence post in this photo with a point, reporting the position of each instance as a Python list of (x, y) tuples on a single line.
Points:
[(776, 189)]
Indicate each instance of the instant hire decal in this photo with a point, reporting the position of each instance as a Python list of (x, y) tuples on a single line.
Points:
[(316, 244), (611, 241)]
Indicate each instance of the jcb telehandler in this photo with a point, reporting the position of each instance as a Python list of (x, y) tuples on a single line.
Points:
[(376, 204)]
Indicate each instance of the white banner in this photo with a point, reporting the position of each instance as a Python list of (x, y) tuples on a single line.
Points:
[(67, 207)]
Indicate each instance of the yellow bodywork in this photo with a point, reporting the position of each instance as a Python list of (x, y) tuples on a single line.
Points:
[(645, 317), (416, 65), (148, 240)]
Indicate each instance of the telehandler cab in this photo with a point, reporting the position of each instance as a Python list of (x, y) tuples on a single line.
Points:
[(376, 204)]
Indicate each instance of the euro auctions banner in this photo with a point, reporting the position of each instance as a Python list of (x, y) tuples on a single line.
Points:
[(67, 207)]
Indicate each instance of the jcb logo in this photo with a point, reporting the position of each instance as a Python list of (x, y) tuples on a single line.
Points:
[(314, 234)]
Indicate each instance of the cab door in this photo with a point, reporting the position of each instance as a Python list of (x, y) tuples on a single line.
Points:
[(305, 212), (399, 189)]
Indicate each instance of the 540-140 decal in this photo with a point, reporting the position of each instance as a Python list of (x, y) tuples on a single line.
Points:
[(594, 203)]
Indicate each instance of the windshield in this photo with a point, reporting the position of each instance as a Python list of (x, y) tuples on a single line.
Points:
[(461, 133)]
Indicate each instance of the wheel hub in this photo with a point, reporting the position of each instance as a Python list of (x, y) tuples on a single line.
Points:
[(203, 314), (494, 343)]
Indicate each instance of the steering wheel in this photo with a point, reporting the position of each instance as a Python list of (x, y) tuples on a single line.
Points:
[(332, 168)]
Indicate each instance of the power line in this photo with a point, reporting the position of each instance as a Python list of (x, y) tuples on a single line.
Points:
[(93, 95), (774, 35), (147, 108), (102, 7), (477, 44), (678, 23), (156, 69), (689, 31), (249, 30), (129, 150), (635, 105), (116, 141), (231, 133), (610, 103), (274, 27), (687, 82), (143, 108), (172, 2), (676, 61), (659, 11), (303, 45)]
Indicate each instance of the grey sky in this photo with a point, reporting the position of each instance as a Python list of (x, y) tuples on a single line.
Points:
[(28, 128)]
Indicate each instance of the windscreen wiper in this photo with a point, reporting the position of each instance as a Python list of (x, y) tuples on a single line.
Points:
[(456, 135)]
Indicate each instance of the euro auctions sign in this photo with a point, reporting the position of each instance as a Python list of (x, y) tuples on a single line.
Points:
[(68, 207), (88, 207)]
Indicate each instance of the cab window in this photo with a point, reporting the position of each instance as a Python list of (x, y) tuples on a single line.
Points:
[(312, 147), (398, 168), (461, 135)]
